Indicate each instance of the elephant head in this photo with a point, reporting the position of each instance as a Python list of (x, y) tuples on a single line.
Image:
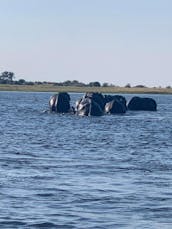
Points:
[(120, 98), (60, 102), (88, 107), (115, 107), (115, 104), (96, 97)]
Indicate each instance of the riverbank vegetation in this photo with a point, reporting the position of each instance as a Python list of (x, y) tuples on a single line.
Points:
[(8, 83)]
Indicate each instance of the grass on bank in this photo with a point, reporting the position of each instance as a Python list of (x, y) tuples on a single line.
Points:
[(53, 88)]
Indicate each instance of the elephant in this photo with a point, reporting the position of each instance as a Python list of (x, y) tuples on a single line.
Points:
[(96, 104), (60, 103), (88, 107), (120, 98), (96, 97), (142, 103), (115, 107)]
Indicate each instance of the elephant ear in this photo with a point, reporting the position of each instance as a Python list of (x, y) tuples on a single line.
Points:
[(83, 106), (77, 103), (53, 103), (108, 107)]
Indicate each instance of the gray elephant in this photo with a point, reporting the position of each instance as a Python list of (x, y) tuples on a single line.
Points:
[(88, 107), (96, 104), (115, 107), (120, 98), (115, 104), (60, 103), (142, 103), (96, 97)]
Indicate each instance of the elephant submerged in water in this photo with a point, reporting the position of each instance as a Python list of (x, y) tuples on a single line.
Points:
[(115, 107), (60, 103), (87, 106), (97, 98), (96, 104), (142, 104), (115, 104)]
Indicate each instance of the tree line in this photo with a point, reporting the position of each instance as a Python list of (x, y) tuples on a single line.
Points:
[(7, 77)]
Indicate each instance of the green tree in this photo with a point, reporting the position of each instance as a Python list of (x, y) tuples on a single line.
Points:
[(94, 84), (128, 85), (21, 81), (7, 77), (105, 84)]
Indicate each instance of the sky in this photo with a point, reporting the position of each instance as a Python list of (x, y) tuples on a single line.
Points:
[(113, 41)]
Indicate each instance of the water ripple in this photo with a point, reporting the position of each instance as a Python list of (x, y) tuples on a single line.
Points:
[(64, 171)]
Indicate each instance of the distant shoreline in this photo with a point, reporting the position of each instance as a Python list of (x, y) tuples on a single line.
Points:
[(53, 88)]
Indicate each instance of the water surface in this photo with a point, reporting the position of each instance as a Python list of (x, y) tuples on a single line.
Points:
[(64, 171)]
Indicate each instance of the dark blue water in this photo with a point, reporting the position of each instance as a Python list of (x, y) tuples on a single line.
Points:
[(64, 171)]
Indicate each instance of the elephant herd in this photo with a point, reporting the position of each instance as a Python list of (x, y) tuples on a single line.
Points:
[(97, 104)]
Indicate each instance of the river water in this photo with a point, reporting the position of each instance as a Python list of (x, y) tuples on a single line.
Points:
[(64, 171)]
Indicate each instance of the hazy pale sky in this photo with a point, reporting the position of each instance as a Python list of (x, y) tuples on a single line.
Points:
[(114, 41)]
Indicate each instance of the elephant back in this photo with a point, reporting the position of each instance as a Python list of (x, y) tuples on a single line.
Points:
[(120, 98), (145, 104)]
